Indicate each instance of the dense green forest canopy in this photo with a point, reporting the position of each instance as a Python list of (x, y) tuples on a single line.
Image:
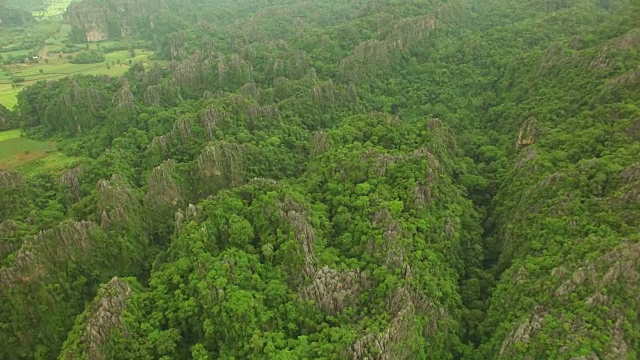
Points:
[(334, 179)]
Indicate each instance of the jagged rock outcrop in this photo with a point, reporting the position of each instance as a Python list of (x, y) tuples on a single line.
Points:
[(162, 188), (333, 291), (423, 191), (181, 132), (395, 341), (296, 215), (56, 246), (524, 332), (224, 160), (103, 20), (117, 203), (123, 99), (8, 231), (103, 317), (391, 233), (195, 70), (369, 55), (587, 287), (211, 118), (184, 216), (10, 179), (72, 180), (324, 94), (528, 133)]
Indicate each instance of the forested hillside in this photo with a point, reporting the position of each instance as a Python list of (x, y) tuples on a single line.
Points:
[(14, 17), (334, 179)]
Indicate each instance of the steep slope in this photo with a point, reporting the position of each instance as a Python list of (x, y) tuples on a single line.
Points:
[(566, 216), (312, 256), (113, 19), (15, 17), (310, 180)]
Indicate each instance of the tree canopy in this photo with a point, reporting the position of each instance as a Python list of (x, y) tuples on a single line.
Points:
[(334, 180)]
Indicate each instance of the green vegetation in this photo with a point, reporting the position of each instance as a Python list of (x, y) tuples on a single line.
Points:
[(88, 57), (30, 156), (49, 49), (15, 152), (8, 95), (325, 179), (14, 17), (54, 9), (10, 134), (115, 63)]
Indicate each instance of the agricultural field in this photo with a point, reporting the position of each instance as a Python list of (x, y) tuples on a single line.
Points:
[(116, 64), (43, 42), (30, 156), (25, 38), (8, 95)]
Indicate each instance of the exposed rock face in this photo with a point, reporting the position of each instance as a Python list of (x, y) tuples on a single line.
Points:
[(524, 332), (118, 203), (72, 180), (589, 285), (224, 160), (103, 319), (102, 20), (296, 215), (161, 187), (89, 16), (333, 291), (10, 179), (394, 342), (528, 133), (106, 315), (49, 248)]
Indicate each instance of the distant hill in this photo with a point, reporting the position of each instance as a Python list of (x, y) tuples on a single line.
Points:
[(150, 19), (108, 19), (15, 17), (23, 4)]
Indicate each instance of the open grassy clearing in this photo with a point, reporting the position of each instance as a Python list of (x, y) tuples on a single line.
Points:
[(123, 56), (8, 95), (32, 71), (101, 45), (31, 74), (19, 151), (9, 134), (15, 53), (30, 156)]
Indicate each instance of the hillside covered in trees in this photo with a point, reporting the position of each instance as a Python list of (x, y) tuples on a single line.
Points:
[(14, 17), (334, 179)]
